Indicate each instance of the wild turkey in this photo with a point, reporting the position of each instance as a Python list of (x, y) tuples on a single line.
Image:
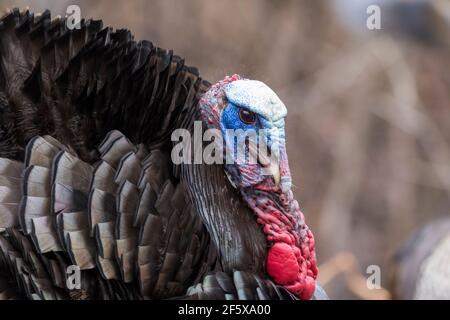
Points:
[(422, 265), (87, 117)]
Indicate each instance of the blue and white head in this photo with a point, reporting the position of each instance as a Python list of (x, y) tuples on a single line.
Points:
[(251, 118)]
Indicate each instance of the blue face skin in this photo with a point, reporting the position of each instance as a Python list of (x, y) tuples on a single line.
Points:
[(232, 120), (262, 102), (250, 173)]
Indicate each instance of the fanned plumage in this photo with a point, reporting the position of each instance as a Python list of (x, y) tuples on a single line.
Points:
[(86, 117), (99, 219), (87, 82)]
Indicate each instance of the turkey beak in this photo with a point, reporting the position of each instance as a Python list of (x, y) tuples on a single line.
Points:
[(278, 164), (271, 165), (274, 170), (285, 173)]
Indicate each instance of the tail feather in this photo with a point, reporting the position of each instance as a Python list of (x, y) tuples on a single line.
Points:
[(125, 222), (77, 85)]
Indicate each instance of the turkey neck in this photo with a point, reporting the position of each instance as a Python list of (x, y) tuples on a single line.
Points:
[(240, 242), (231, 224)]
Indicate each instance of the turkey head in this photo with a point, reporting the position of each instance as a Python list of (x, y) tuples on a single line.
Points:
[(251, 119)]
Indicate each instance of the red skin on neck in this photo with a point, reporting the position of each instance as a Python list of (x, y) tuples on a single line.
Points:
[(291, 259)]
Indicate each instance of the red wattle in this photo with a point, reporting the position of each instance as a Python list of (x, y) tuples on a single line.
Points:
[(282, 264), (291, 259)]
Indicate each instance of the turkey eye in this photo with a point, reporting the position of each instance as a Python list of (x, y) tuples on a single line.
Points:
[(247, 117)]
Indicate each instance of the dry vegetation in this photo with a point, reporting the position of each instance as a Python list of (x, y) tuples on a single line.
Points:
[(369, 117)]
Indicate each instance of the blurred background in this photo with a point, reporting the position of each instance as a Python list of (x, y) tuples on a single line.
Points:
[(369, 110)]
